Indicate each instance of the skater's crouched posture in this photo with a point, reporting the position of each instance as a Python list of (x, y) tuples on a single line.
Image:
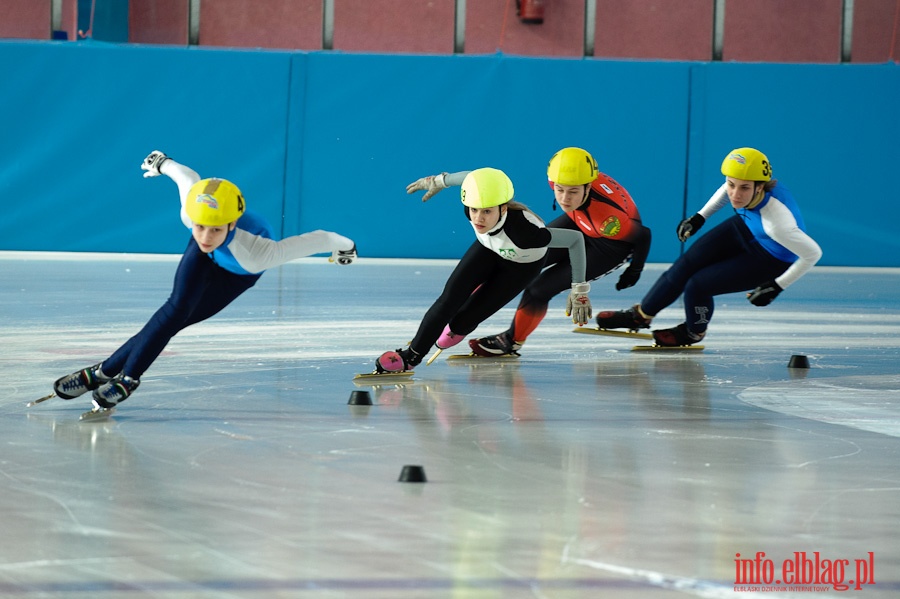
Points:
[(605, 214), (763, 248), (229, 249), (509, 252)]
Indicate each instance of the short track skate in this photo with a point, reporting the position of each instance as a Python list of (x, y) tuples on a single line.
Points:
[(612, 333), (42, 399), (476, 358), (97, 414), (470, 356), (384, 376), (667, 348)]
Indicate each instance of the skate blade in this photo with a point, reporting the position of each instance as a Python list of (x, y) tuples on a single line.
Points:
[(434, 356), (37, 401), (667, 348), (383, 376), (612, 333), (97, 415), (474, 356)]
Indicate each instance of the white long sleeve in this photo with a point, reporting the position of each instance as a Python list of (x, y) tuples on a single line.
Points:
[(184, 178), (256, 254)]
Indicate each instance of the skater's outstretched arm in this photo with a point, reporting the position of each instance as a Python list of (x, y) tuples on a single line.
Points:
[(256, 254), (782, 227), (573, 241), (578, 305), (434, 183), (157, 163)]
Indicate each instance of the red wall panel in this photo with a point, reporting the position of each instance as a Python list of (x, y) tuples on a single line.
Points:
[(654, 29), (158, 22), (493, 26), (783, 31), (394, 26), (25, 19), (283, 24), (875, 23)]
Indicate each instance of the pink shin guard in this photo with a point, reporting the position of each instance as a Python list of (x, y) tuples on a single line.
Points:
[(448, 338)]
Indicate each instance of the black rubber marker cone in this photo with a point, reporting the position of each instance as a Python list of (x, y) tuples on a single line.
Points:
[(360, 398), (798, 361), (412, 474)]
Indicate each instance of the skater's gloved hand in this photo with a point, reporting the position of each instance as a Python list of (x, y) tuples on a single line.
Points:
[(578, 305), (152, 163), (764, 294), (690, 226), (629, 278), (430, 184), (344, 257)]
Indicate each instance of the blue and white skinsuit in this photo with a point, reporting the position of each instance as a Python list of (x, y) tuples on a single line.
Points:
[(764, 243), (206, 283)]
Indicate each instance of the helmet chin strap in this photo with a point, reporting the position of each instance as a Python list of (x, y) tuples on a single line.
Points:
[(757, 198)]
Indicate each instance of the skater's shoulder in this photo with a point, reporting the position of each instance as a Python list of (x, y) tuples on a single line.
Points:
[(255, 223)]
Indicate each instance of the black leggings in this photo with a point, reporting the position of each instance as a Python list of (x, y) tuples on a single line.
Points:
[(603, 256), (478, 287)]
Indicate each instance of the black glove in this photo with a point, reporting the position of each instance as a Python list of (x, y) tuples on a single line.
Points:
[(764, 294), (689, 226), (629, 277)]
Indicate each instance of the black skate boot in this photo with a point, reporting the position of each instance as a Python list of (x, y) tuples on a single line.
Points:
[(495, 345), (79, 383), (115, 391), (677, 336), (400, 360), (630, 319)]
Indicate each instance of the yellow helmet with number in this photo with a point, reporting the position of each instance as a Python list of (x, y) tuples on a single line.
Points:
[(747, 164), (486, 188), (572, 166), (214, 202)]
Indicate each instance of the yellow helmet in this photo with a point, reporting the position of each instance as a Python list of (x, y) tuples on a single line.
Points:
[(214, 202), (485, 188), (747, 164), (572, 166)]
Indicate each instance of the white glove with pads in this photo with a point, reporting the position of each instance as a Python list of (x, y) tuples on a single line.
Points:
[(430, 185), (578, 305), (344, 257), (152, 163)]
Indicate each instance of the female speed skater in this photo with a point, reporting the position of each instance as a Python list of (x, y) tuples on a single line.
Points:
[(604, 212), (229, 249), (511, 244), (763, 249)]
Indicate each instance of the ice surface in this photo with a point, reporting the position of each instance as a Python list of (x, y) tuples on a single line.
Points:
[(238, 469)]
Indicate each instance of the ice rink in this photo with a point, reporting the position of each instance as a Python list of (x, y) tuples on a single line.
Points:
[(582, 469)]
